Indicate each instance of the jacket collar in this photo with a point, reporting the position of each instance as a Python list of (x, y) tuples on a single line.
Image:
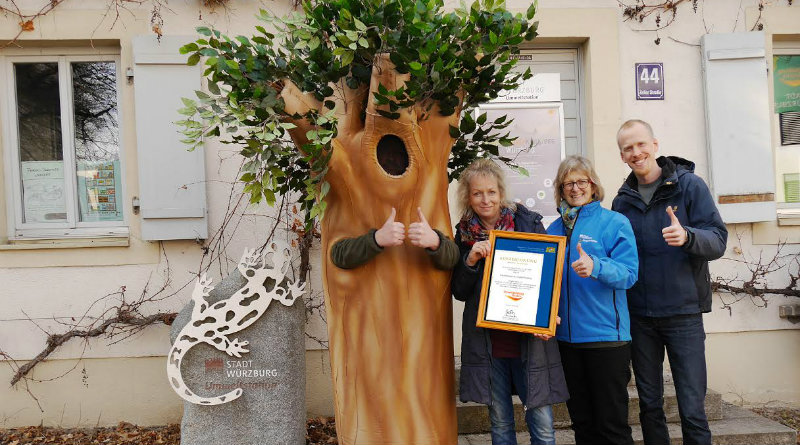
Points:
[(587, 208), (672, 168), (523, 212), (524, 219)]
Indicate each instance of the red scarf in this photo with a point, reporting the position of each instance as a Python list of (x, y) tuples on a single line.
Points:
[(473, 231)]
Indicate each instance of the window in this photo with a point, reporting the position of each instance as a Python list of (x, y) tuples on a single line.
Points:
[(791, 187), (64, 147), (786, 98), (789, 122)]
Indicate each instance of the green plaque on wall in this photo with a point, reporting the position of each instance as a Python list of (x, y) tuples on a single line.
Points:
[(787, 83)]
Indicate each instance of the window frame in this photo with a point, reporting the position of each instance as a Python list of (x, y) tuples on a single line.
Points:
[(73, 227), (788, 212)]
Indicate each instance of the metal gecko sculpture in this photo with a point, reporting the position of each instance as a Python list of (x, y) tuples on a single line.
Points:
[(214, 323)]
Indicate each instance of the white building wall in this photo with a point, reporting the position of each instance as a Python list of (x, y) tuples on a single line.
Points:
[(752, 354)]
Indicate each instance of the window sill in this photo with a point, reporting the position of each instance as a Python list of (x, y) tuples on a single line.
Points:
[(72, 234), (66, 243), (789, 216)]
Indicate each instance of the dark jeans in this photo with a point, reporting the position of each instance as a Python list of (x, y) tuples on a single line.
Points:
[(597, 379), (508, 373), (683, 338)]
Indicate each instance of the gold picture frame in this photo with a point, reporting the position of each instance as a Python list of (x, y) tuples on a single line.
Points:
[(522, 282)]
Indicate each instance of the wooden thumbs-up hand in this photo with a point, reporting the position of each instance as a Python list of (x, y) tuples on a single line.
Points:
[(584, 264), (392, 233), (421, 235), (674, 234)]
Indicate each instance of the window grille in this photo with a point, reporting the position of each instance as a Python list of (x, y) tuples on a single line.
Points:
[(790, 127)]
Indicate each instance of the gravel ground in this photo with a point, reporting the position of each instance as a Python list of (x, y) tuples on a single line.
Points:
[(125, 433), (787, 416), (321, 431)]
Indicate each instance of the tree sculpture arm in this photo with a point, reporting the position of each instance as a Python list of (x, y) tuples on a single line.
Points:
[(296, 105), (464, 277), (447, 255), (350, 253)]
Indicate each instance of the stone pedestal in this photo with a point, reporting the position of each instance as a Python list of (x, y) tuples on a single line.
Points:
[(272, 376)]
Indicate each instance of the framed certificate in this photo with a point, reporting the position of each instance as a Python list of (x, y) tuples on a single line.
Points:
[(522, 282)]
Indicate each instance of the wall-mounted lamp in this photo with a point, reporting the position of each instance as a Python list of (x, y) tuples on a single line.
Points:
[(790, 312)]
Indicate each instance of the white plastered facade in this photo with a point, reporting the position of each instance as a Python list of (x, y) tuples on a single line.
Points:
[(753, 355)]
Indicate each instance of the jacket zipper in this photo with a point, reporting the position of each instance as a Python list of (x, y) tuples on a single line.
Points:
[(642, 262), (616, 314), (569, 320), (488, 342), (569, 263)]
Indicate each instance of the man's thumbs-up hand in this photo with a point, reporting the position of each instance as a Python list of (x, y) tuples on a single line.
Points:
[(392, 233), (421, 235), (674, 234), (583, 265)]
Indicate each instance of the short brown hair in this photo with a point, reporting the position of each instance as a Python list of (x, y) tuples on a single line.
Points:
[(486, 168), (576, 163), (630, 123)]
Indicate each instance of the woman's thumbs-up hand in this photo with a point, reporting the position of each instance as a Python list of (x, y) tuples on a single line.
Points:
[(584, 264)]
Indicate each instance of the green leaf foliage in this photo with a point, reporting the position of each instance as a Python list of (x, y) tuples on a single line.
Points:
[(457, 59)]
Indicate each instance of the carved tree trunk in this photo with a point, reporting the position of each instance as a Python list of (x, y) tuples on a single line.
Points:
[(389, 320)]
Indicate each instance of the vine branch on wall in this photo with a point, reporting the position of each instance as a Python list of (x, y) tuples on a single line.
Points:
[(655, 16), (27, 20), (124, 319), (756, 284)]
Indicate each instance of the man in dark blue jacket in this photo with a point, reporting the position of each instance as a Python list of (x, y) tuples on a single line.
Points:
[(678, 231)]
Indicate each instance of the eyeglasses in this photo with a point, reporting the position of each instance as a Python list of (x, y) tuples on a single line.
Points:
[(581, 183)]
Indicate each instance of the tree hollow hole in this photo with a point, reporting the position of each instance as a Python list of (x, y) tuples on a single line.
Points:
[(392, 155)]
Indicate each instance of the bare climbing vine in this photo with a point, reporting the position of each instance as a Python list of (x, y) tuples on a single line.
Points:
[(125, 317), (655, 16), (756, 282), (27, 20)]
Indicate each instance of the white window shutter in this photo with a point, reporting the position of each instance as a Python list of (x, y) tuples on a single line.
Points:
[(172, 186), (738, 126)]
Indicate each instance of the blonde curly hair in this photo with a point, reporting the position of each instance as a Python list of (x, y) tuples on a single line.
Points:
[(487, 169)]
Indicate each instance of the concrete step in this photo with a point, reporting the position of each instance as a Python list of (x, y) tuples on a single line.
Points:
[(474, 417), (737, 426)]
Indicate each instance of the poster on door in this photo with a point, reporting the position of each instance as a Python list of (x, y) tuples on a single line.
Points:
[(538, 149)]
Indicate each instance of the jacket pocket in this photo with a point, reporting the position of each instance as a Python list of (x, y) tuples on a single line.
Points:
[(546, 382), (474, 383), (546, 386), (702, 283), (676, 286)]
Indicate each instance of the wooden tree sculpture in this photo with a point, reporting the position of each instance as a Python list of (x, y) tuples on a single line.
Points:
[(377, 98)]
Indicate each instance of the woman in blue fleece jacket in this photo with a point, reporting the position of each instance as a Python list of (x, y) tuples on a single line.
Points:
[(594, 335)]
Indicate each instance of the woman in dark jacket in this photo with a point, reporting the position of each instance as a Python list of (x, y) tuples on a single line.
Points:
[(494, 362)]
